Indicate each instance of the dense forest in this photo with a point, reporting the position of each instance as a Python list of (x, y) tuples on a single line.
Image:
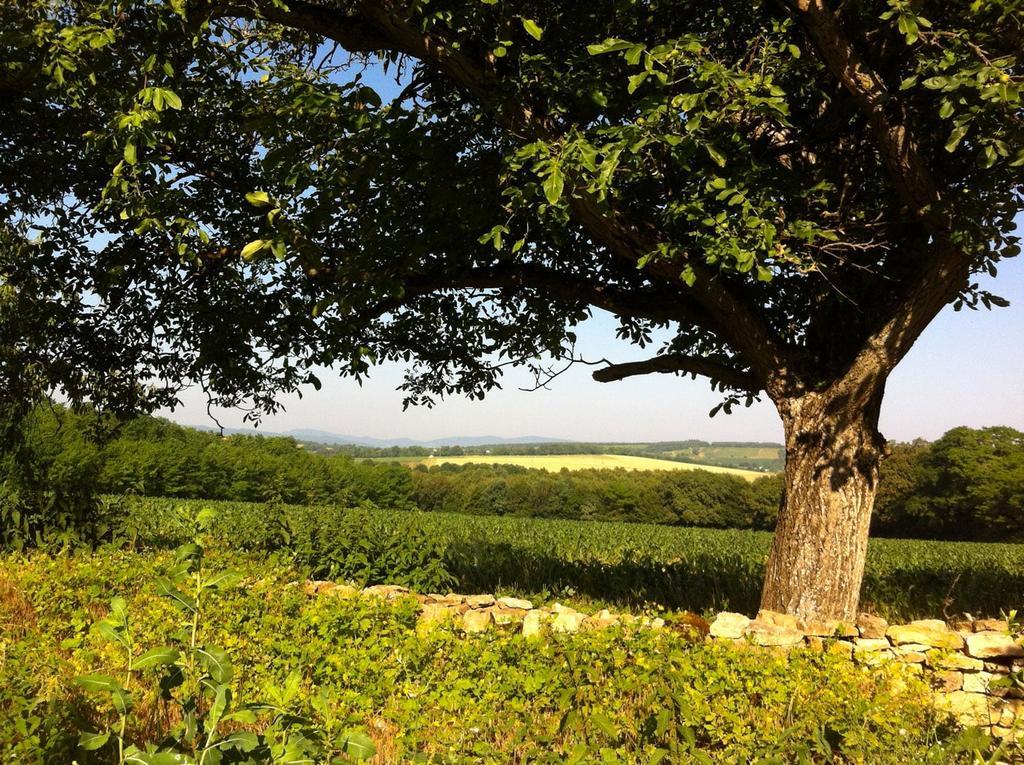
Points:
[(967, 485)]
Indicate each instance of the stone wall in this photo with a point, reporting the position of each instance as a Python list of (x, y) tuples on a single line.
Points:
[(968, 664)]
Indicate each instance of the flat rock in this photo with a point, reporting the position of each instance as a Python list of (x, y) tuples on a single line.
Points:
[(387, 591), (479, 601), (911, 657), (505, 616), (930, 624), (520, 603), (830, 628), (567, 621), (872, 627), (776, 619), (950, 660), (977, 682), (532, 623), (967, 708), (762, 633), (476, 620), (946, 681), (926, 632), (729, 625), (872, 651), (841, 648), (993, 645), (432, 613), (451, 599), (600, 620), (990, 625)]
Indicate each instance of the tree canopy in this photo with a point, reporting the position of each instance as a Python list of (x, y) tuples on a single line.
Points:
[(209, 192)]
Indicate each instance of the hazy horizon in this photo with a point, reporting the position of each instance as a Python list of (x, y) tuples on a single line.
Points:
[(966, 369)]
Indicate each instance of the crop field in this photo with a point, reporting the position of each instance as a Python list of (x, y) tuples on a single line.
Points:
[(627, 564), (102, 648), (556, 462)]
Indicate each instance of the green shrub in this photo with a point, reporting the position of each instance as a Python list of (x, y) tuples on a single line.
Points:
[(437, 696)]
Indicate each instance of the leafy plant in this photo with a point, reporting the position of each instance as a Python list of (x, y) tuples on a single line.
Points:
[(194, 678)]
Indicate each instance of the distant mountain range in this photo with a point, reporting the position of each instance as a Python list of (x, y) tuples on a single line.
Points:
[(326, 437)]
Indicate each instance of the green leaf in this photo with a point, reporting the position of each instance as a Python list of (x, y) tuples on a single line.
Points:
[(609, 45), (130, 155), (715, 155), (98, 683), (532, 29), (225, 580), (166, 588), (90, 742), (258, 198), (216, 662), (157, 657), (603, 722), (359, 746), (243, 741), (554, 184), (955, 137), (171, 99), (122, 701), (221, 699), (636, 81), (250, 250), (158, 758)]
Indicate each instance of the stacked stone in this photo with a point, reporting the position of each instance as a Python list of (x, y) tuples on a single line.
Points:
[(968, 666)]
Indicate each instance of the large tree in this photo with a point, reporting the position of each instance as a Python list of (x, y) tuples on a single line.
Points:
[(208, 192)]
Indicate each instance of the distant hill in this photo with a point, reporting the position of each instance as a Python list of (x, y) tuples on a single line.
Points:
[(325, 437), (744, 455), (314, 436)]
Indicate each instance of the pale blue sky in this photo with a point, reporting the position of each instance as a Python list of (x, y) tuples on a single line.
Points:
[(967, 369)]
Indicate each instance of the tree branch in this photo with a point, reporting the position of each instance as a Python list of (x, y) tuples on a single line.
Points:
[(677, 362), (911, 176), (376, 26)]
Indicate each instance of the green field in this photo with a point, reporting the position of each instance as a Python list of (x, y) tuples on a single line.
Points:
[(556, 462), (624, 564)]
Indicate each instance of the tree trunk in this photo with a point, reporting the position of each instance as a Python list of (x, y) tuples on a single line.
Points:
[(833, 449)]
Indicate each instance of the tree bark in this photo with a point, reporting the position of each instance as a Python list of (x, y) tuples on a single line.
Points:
[(833, 450)]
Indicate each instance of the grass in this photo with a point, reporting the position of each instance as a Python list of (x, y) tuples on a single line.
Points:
[(557, 462)]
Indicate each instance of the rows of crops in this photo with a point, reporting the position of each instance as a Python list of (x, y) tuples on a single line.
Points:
[(692, 568)]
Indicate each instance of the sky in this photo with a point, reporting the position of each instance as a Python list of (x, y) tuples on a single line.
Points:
[(966, 369)]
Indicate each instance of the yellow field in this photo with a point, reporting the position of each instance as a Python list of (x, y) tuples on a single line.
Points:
[(557, 462)]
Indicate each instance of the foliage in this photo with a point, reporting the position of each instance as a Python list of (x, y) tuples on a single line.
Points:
[(192, 679), (437, 696), (733, 172), (967, 485), (682, 498), (50, 480), (622, 563)]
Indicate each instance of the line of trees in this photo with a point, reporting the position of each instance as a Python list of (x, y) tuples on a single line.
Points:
[(969, 484)]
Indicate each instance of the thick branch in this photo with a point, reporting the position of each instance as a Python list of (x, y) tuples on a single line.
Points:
[(376, 26), (655, 305), (910, 175), (676, 362)]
